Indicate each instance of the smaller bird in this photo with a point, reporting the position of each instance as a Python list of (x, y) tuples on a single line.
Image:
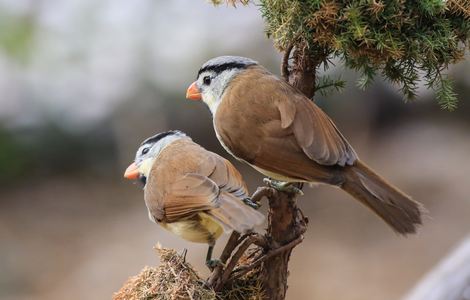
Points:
[(194, 193)]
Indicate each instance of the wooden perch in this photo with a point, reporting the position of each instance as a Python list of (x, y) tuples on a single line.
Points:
[(286, 222), (270, 247)]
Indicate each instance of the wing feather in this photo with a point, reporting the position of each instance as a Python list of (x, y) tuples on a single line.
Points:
[(191, 194), (273, 126), (232, 212), (316, 134), (228, 178)]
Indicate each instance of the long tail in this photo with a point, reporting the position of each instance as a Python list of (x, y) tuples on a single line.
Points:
[(401, 212), (236, 215)]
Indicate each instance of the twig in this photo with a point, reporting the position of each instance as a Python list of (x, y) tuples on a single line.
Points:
[(261, 192), (285, 62), (215, 279), (250, 256), (252, 239), (189, 294), (233, 261), (232, 243), (224, 273), (304, 218), (243, 270)]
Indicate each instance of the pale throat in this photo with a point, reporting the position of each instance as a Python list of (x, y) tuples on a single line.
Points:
[(212, 102), (146, 166), (213, 97)]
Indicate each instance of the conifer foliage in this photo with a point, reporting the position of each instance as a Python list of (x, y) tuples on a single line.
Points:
[(404, 41)]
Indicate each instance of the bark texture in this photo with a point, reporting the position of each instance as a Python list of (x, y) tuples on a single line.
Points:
[(270, 254), (286, 222)]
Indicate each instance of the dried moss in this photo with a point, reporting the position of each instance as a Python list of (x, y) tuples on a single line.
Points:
[(173, 279), (176, 279), (247, 287)]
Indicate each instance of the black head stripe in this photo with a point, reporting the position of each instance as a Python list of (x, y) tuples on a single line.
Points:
[(223, 67), (160, 136)]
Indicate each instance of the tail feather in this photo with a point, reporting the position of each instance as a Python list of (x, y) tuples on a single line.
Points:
[(397, 209), (233, 214)]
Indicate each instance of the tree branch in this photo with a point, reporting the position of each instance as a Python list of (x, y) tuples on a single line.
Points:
[(285, 62), (239, 272), (255, 238), (229, 247), (286, 222)]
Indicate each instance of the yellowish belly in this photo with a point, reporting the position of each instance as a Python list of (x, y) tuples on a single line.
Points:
[(197, 230)]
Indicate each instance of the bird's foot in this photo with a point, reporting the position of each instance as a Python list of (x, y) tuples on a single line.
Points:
[(251, 203), (212, 263), (183, 254), (282, 186)]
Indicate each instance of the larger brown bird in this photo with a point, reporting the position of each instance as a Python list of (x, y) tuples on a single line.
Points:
[(264, 121), (194, 193)]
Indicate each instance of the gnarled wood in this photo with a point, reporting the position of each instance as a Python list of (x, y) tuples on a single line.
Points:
[(286, 223)]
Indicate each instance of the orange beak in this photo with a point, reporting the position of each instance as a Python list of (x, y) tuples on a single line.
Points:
[(193, 93), (132, 172)]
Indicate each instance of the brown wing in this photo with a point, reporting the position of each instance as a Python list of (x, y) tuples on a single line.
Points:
[(190, 194), (289, 161), (316, 134), (232, 212), (227, 177), (201, 191), (269, 124), (218, 195)]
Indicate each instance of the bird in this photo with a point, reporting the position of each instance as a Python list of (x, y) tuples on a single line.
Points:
[(264, 121), (192, 192)]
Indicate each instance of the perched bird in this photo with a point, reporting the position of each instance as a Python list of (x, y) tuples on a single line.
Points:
[(264, 121), (194, 193)]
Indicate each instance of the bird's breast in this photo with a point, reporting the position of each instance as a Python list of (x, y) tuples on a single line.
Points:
[(221, 140)]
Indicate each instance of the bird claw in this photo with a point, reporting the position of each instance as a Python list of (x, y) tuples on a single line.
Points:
[(283, 186), (251, 203), (212, 263), (183, 254)]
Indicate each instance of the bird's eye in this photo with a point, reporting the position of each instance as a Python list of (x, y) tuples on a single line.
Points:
[(207, 80), (145, 150)]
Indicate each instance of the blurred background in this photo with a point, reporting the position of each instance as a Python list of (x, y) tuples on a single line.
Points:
[(83, 82)]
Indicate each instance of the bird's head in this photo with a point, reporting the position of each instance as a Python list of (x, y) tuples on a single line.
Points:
[(148, 152), (213, 78)]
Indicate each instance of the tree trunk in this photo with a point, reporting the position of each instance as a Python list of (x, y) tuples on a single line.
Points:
[(304, 70), (286, 222)]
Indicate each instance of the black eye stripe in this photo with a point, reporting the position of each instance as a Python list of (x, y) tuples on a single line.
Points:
[(160, 136), (223, 67)]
